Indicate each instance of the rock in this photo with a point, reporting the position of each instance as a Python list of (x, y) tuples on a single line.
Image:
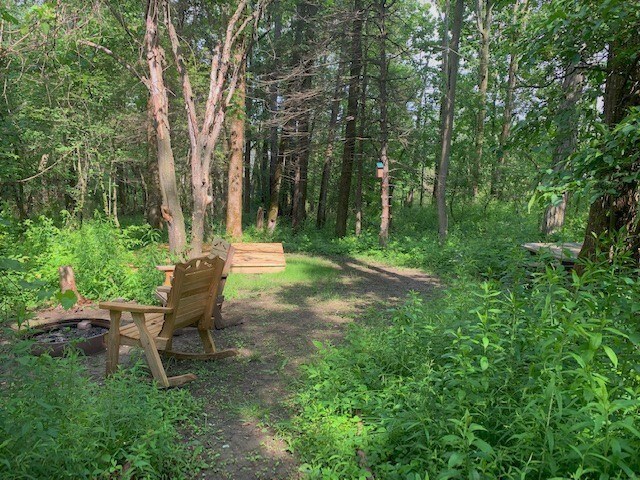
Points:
[(84, 325)]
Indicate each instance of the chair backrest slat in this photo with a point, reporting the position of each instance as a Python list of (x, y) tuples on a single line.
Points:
[(193, 291)]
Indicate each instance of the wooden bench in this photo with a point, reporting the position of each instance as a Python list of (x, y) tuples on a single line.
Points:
[(566, 253), (258, 258)]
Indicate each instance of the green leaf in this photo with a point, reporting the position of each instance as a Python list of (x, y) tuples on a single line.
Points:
[(612, 355), (6, 16), (455, 459), (10, 264), (483, 446), (484, 363), (67, 299)]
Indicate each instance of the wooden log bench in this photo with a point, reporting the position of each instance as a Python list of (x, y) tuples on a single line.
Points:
[(566, 253)]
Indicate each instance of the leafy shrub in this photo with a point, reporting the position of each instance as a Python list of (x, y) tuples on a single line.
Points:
[(108, 262), (56, 423), (537, 381)]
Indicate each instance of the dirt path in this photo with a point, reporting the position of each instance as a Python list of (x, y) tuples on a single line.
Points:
[(245, 395)]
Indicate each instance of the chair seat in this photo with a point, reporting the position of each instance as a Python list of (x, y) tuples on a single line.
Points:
[(153, 322)]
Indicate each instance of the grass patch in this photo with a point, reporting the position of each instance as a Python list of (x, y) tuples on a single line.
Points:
[(300, 270)]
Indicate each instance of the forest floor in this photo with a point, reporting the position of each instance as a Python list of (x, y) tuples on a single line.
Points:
[(246, 397)]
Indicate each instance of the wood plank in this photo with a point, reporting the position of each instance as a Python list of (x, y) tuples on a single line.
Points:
[(133, 307), (179, 380), (258, 247), (201, 356), (113, 342), (150, 350), (565, 252)]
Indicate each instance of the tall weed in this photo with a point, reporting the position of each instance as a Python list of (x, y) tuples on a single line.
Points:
[(56, 423), (539, 381)]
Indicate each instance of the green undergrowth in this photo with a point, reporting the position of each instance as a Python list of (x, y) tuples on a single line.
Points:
[(108, 262), (536, 381), (57, 423), (482, 242)]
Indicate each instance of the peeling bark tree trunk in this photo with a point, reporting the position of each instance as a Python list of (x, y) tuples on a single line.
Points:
[(613, 212), (447, 121), (352, 114), (171, 209), (150, 177), (385, 217), (204, 137), (236, 143), (483, 16), (565, 143)]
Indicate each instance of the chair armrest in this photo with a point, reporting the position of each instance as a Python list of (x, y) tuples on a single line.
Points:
[(166, 268), (133, 307)]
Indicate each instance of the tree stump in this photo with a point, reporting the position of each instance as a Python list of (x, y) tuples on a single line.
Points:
[(68, 282)]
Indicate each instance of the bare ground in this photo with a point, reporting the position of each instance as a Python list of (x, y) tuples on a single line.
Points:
[(245, 396)]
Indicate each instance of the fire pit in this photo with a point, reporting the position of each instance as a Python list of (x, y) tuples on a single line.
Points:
[(87, 335)]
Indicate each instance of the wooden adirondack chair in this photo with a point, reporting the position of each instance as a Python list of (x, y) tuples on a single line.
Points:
[(220, 248), (190, 302)]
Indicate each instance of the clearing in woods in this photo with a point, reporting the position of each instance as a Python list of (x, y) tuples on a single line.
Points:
[(282, 313)]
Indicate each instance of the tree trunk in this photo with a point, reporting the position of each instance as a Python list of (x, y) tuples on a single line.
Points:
[(274, 158), (328, 154), (234, 185), (483, 16), (565, 143), (276, 181), (385, 217), (303, 151), (447, 121), (171, 209), (344, 189), (498, 170), (443, 88), (360, 152), (264, 174), (299, 212), (204, 137), (247, 190), (150, 176), (616, 212)]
